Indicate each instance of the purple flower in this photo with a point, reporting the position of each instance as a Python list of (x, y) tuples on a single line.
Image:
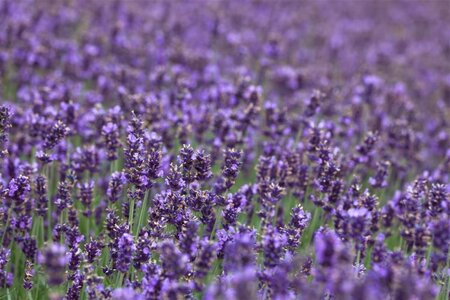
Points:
[(230, 169), (174, 179), (273, 244), (54, 258), (330, 250), (93, 249), (202, 165), (239, 285), (56, 133), (115, 186), (125, 252), (379, 180), (174, 263), (41, 193), (299, 221), (126, 293), (5, 125), (110, 133), (86, 191), (28, 276), (239, 249), (77, 285)]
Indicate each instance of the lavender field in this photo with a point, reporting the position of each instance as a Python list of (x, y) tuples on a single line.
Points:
[(232, 150)]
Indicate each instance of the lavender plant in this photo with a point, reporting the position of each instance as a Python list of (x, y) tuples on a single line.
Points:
[(224, 150)]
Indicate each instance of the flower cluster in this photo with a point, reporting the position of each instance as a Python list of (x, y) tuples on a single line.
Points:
[(224, 150)]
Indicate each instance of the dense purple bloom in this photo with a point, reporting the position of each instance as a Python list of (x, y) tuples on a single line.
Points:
[(151, 150), (75, 258)]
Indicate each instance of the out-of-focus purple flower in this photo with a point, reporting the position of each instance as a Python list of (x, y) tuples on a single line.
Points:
[(239, 250), (174, 263), (110, 133), (126, 293), (55, 259), (205, 258), (379, 180), (273, 244), (239, 285), (329, 248)]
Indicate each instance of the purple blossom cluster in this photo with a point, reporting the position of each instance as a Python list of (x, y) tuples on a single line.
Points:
[(224, 150)]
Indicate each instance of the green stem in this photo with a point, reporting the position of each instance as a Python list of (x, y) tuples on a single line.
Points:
[(6, 226), (401, 243), (216, 224), (61, 222), (430, 248), (358, 257), (49, 208), (119, 279), (142, 212), (41, 231), (447, 283), (312, 227), (131, 214), (87, 221)]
